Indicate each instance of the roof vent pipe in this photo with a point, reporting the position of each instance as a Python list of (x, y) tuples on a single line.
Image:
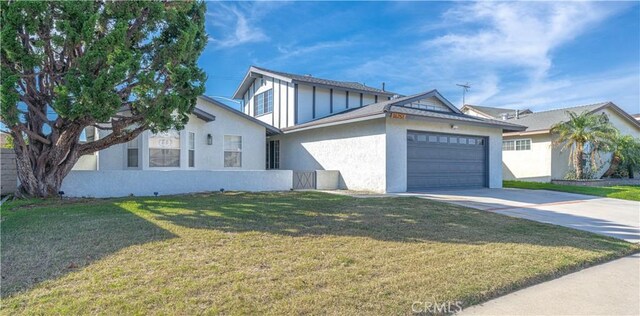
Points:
[(504, 116), (517, 114), (383, 86)]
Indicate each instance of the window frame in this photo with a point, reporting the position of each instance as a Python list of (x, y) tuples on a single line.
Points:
[(179, 149), (224, 150), (267, 103), (191, 161), (514, 144), (139, 156)]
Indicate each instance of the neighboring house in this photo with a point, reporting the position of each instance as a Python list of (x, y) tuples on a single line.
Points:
[(376, 140), (529, 154)]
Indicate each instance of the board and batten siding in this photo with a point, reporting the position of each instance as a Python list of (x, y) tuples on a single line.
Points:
[(297, 103)]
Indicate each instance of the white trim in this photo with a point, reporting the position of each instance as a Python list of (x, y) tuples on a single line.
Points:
[(359, 119)]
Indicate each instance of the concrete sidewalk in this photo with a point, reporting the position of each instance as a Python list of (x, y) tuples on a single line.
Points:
[(612, 288)]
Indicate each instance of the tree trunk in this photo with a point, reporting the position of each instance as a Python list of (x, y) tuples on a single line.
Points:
[(43, 177), (615, 163), (577, 160), (630, 170)]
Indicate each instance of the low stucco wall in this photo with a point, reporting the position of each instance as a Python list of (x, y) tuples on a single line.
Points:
[(327, 179), (118, 183)]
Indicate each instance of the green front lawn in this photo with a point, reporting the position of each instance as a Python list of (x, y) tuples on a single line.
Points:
[(625, 192), (274, 253)]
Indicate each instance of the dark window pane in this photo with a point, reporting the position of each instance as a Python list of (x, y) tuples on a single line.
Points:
[(192, 158), (132, 158)]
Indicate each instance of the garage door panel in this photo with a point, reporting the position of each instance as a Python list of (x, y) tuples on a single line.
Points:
[(446, 166), (445, 160)]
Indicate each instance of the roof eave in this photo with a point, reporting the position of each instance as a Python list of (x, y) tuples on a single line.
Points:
[(478, 123), (251, 75), (270, 130), (526, 133), (328, 86), (328, 124)]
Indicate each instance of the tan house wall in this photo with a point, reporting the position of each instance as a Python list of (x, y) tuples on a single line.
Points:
[(528, 165)]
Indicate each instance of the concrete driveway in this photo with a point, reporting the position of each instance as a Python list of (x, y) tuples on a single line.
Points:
[(611, 217)]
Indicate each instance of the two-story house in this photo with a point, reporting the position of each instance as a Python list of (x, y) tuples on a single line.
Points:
[(377, 140)]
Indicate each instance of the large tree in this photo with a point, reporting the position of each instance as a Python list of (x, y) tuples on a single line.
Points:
[(119, 66), (581, 130)]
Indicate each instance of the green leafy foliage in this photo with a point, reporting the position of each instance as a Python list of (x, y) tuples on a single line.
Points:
[(121, 66)]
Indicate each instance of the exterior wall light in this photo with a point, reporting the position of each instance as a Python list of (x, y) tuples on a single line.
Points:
[(209, 139)]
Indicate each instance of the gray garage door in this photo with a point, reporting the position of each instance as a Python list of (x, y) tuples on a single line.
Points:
[(445, 161)]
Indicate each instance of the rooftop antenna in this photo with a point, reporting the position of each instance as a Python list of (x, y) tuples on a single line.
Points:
[(465, 87)]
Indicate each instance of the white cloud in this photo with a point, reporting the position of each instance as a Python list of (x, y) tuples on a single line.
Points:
[(294, 50), (521, 34), (236, 24), (621, 86), (506, 51)]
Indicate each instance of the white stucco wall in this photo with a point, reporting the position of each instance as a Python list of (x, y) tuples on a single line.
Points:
[(396, 149), (528, 165), (208, 157), (118, 183), (87, 162), (357, 150)]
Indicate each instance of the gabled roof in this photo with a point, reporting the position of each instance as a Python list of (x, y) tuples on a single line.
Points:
[(542, 121), (257, 72), (494, 112), (271, 130), (381, 109)]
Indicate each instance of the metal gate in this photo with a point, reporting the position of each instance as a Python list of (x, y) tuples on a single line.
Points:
[(304, 180)]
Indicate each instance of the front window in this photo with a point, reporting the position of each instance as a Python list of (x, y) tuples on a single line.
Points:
[(263, 102), (164, 149), (518, 145), (232, 151), (192, 150), (133, 153), (523, 144)]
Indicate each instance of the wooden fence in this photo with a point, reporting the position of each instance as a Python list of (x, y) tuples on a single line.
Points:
[(8, 171)]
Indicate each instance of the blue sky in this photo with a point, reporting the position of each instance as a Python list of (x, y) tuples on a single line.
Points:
[(538, 55)]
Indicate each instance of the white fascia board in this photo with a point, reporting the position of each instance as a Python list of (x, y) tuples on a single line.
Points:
[(359, 119)]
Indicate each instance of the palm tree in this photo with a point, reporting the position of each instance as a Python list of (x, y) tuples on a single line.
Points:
[(626, 153), (582, 129)]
